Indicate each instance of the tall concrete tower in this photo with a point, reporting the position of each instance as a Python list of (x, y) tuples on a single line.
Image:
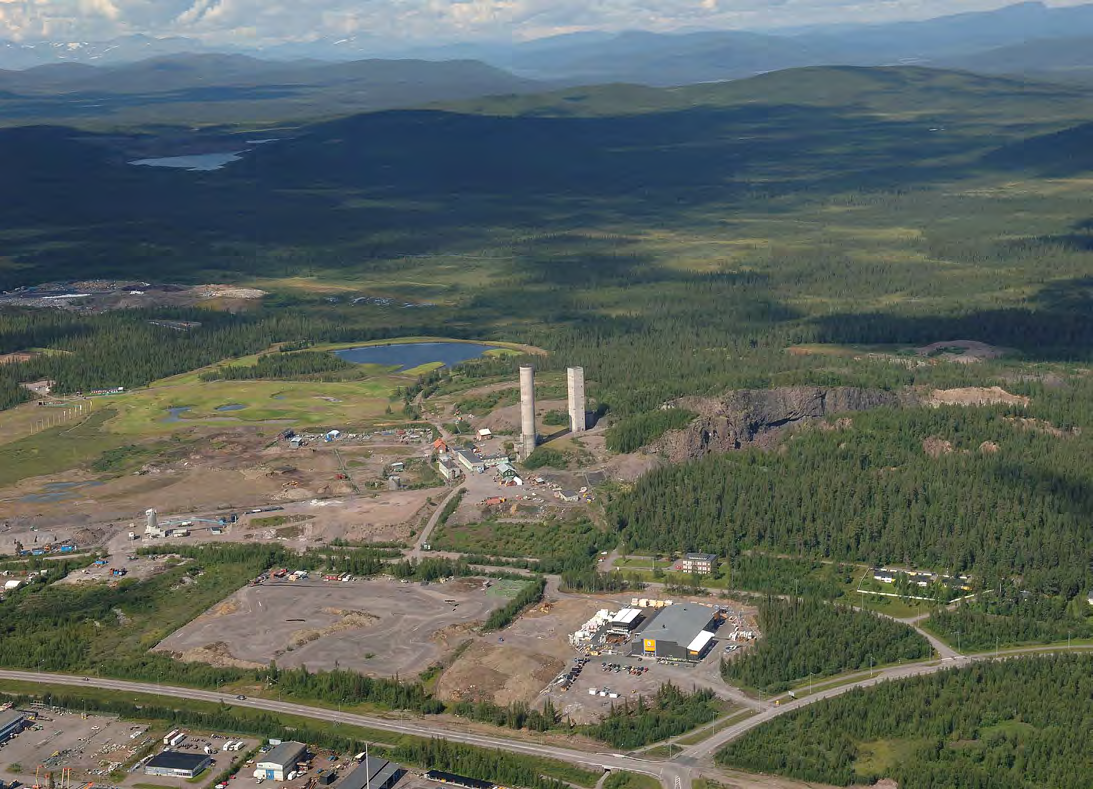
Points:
[(527, 411), (152, 518), (577, 405)]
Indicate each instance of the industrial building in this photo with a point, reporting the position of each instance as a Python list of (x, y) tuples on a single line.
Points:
[(577, 405), (175, 764), (681, 632), (448, 468), (11, 723), (625, 621), (527, 412), (281, 761), (699, 563), (372, 773), (508, 473), (470, 461)]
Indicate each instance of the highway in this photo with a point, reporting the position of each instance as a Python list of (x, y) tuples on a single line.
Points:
[(675, 774), (669, 774)]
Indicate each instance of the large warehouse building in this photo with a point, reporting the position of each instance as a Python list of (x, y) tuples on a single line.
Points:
[(682, 632), (281, 761), (372, 773), (174, 764), (11, 723)]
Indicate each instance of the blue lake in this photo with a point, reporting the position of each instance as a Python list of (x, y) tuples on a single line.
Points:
[(231, 407), (412, 354)]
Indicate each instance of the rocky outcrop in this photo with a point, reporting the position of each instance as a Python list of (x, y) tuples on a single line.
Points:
[(747, 417)]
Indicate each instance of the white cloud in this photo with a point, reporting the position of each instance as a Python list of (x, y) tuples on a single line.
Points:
[(227, 20)]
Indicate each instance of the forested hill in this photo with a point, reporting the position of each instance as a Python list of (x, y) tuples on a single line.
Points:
[(907, 91), (1000, 499), (195, 89)]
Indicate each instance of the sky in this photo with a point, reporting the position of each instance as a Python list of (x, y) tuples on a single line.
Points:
[(269, 21)]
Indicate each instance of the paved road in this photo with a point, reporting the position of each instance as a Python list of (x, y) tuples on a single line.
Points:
[(676, 774), (672, 776), (704, 751), (427, 532)]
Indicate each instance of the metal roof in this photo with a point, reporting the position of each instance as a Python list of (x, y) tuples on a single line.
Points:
[(679, 623), (700, 642), (626, 616), (176, 760), (11, 717), (284, 755), (372, 771)]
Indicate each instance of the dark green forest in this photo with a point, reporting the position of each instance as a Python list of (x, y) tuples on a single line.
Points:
[(870, 492), (1011, 615), (1012, 724), (300, 365), (805, 636), (669, 712)]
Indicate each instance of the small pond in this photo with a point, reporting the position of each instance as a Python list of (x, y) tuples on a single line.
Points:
[(413, 354), (58, 491), (231, 407)]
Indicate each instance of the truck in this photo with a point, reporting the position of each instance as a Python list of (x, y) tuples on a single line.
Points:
[(177, 740), (281, 573), (169, 736)]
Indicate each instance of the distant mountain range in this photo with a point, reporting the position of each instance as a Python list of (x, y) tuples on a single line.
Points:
[(204, 89), (1027, 37)]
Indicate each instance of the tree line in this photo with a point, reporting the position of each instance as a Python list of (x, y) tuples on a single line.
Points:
[(805, 636), (1009, 724)]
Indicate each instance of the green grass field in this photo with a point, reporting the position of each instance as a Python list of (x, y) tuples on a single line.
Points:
[(143, 414)]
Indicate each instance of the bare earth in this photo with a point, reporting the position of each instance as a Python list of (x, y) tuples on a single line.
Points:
[(377, 627), (975, 395)]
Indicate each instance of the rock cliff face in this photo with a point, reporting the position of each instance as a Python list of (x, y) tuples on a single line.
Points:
[(757, 416)]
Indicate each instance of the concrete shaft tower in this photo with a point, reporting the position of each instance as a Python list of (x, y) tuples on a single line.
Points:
[(152, 518), (527, 411), (577, 405)]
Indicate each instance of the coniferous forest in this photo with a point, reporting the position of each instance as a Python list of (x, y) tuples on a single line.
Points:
[(1011, 724), (803, 637)]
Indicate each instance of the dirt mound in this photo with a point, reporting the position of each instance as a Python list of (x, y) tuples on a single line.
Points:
[(975, 395), (86, 537), (224, 608), (497, 673), (217, 655), (226, 292), (350, 620), (989, 448)]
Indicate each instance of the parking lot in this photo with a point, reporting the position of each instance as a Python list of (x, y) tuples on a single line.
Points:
[(91, 745), (101, 749), (603, 681)]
